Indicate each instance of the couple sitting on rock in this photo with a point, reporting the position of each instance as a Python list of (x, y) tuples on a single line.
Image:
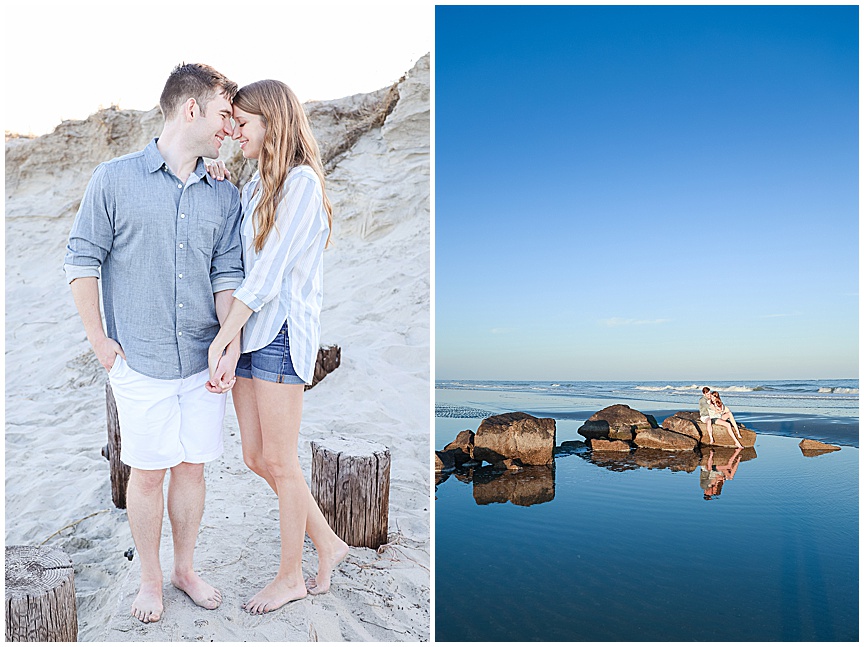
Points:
[(712, 411)]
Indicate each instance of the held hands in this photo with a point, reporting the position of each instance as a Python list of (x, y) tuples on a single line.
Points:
[(222, 367), (218, 170)]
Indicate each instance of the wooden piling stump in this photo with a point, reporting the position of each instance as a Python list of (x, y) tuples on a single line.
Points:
[(328, 360), (111, 451), (351, 483), (40, 595)]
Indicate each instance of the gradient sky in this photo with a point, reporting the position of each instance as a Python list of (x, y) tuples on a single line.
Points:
[(665, 193), (65, 60)]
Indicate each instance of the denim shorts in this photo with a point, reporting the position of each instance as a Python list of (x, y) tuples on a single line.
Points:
[(271, 363)]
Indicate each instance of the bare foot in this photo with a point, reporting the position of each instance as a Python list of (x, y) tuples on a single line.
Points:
[(276, 594), (147, 606), (327, 561), (201, 593)]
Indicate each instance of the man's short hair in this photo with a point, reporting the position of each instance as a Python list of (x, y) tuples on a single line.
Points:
[(196, 80), (705, 389)]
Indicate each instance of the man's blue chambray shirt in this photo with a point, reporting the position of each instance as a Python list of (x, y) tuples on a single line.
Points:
[(164, 247)]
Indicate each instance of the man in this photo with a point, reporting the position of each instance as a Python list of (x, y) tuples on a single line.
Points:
[(165, 239), (705, 412)]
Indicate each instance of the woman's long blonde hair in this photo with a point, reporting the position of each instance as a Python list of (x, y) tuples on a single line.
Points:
[(288, 142)]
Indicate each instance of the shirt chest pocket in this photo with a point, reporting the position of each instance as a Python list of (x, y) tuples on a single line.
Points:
[(205, 231)]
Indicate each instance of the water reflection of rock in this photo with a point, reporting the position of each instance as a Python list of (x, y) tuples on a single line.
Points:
[(527, 486), (658, 459)]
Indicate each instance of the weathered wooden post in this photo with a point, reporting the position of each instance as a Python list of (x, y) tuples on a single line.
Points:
[(111, 451), (351, 483), (329, 358), (40, 595)]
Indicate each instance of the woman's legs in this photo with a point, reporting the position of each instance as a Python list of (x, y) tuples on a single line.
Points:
[(728, 416), (271, 416), (329, 546), (279, 409), (246, 407)]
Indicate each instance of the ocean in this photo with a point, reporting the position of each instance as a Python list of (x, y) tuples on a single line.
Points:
[(631, 548)]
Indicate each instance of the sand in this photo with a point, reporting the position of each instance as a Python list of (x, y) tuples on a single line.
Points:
[(377, 295)]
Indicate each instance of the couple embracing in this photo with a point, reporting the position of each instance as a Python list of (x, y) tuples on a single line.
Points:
[(206, 290), (712, 412)]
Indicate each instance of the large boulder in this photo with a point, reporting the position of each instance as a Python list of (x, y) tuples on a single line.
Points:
[(689, 424), (664, 439), (815, 448), (618, 422), (515, 435)]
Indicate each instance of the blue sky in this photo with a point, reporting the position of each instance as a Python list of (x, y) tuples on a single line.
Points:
[(641, 192)]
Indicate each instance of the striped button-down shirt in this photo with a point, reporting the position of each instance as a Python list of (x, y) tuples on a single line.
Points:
[(284, 281), (163, 247)]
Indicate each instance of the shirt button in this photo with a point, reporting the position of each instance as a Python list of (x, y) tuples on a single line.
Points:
[(179, 186), (182, 215), (180, 276), (180, 334), (179, 305), (181, 245)]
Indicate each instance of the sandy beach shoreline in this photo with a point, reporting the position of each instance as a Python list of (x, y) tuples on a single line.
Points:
[(376, 308)]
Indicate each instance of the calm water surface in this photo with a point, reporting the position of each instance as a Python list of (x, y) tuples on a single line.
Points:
[(608, 550)]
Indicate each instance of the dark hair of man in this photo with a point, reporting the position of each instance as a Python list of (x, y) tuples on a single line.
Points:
[(705, 389), (196, 80)]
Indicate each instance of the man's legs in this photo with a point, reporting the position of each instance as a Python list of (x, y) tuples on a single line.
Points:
[(710, 430), (144, 508), (186, 492)]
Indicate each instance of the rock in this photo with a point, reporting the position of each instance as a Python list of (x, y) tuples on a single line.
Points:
[(689, 424), (816, 448), (600, 445), (462, 447), (618, 422), (664, 439), (683, 423), (515, 435), (528, 486)]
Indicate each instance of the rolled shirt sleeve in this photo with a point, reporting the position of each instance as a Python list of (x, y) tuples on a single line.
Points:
[(226, 270), (301, 224), (92, 234)]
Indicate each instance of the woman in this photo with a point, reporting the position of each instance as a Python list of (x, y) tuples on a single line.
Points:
[(285, 227), (721, 412)]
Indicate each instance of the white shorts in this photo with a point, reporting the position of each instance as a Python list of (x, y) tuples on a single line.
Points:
[(166, 422), (705, 419)]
